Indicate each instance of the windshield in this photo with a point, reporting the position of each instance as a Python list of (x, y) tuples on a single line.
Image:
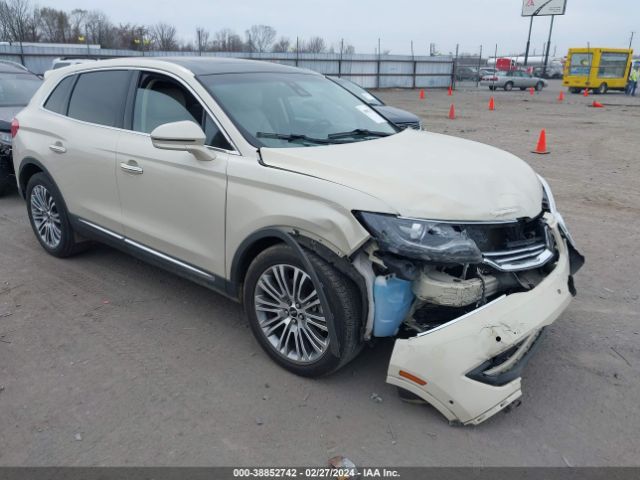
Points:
[(580, 63), (294, 109), (358, 91), (17, 89)]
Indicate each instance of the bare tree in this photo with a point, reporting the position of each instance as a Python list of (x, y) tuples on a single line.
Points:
[(227, 40), (77, 25), (348, 49), (202, 39), (163, 36), (314, 45), (53, 25), (282, 45), (130, 36), (260, 38), (99, 29), (17, 21)]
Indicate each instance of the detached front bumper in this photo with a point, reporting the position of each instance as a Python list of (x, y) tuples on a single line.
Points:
[(469, 368)]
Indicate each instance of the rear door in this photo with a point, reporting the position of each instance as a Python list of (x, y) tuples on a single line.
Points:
[(173, 204), (80, 138)]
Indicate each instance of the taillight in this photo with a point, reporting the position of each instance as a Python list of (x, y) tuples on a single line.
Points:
[(15, 125)]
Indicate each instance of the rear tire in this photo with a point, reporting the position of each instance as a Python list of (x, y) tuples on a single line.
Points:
[(277, 304), (575, 90), (49, 217), (602, 89), (508, 86)]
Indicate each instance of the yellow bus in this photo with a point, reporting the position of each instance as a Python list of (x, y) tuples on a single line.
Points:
[(597, 69)]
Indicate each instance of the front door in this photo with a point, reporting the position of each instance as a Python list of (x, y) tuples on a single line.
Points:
[(173, 205)]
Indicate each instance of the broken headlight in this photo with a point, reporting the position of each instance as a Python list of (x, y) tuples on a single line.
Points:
[(432, 241)]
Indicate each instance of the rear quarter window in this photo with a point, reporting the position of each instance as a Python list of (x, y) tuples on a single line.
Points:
[(59, 98), (99, 97)]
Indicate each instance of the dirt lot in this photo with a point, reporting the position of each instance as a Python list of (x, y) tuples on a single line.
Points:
[(107, 361)]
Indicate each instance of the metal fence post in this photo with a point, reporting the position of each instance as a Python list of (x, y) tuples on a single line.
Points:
[(415, 66), (378, 66), (479, 67), (454, 68), (340, 59)]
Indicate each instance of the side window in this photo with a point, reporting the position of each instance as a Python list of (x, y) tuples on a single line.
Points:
[(59, 98), (160, 99), (99, 97)]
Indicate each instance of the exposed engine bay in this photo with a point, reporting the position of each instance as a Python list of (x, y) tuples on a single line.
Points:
[(464, 303), (499, 258)]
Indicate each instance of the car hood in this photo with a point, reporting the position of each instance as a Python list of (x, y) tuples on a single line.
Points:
[(424, 175), (396, 115)]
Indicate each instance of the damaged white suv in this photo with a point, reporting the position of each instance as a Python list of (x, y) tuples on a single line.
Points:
[(280, 189)]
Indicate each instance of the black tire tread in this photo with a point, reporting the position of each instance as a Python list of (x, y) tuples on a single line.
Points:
[(68, 245), (346, 307)]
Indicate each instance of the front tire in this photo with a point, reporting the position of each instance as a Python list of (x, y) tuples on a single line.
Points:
[(287, 317), (508, 86), (539, 86), (49, 217), (602, 89)]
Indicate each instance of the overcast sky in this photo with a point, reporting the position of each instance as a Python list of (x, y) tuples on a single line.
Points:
[(470, 23)]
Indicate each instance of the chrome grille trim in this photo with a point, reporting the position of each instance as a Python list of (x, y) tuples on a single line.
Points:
[(525, 258)]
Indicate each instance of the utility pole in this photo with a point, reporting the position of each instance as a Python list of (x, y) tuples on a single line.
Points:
[(631, 40), (526, 52), (546, 56)]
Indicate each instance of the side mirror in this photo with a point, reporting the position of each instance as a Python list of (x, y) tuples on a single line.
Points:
[(184, 136)]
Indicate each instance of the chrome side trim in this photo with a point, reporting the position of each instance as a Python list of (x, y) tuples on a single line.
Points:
[(209, 277), (101, 229), (167, 258)]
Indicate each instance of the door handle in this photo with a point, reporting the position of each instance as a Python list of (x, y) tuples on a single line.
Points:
[(57, 147), (131, 167)]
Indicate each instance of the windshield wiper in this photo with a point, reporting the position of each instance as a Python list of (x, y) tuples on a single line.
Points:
[(293, 137), (358, 132)]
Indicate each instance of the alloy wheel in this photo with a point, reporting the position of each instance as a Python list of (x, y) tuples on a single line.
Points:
[(46, 218), (290, 314)]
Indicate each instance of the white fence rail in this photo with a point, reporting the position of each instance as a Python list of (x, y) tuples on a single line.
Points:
[(369, 71)]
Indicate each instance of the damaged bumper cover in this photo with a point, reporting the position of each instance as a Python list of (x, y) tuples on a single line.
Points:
[(469, 368)]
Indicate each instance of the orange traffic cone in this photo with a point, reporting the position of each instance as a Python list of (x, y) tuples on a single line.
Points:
[(452, 112), (450, 91), (586, 92), (532, 91), (541, 147), (561, 96), (492, 104), (597, 105), (421, 94)]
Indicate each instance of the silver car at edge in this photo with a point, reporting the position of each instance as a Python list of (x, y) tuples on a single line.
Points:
[(283, 191), (513, 79)]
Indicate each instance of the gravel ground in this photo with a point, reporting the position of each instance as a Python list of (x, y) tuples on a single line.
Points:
[(105, 360)]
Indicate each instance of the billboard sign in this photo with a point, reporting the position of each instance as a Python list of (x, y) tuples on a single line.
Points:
[(536, 8)]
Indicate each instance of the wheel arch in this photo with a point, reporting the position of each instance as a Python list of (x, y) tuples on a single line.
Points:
[(267, 237), (28, 168)]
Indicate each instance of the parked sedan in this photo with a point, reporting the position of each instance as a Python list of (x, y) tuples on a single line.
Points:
[(17, 85), (513, 79), (397, 116)]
